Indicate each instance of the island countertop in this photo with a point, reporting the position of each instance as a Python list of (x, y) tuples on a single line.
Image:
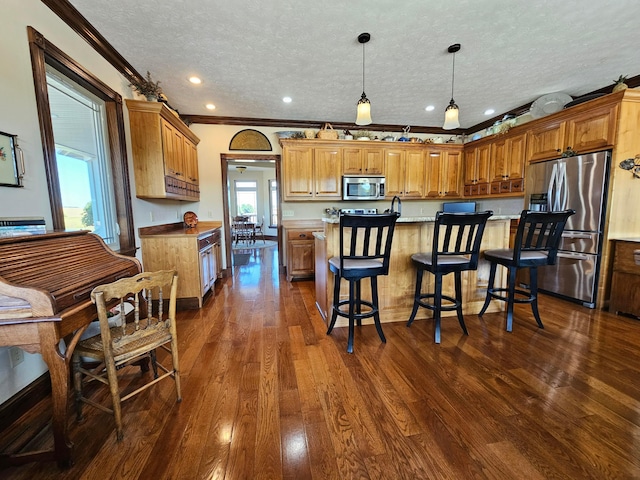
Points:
[(421, 219)]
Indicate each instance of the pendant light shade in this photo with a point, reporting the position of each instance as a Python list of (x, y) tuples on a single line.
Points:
[(363, 114), (451, 112)]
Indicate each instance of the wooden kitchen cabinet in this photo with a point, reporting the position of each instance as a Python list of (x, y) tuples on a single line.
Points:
[(506, 166), (476, 170), (592, 130), (311, 173), (443, 173), (195, 253), (585, 130), (362, 161), (405, 172), (625, 282), (164, 151), (300, 244)]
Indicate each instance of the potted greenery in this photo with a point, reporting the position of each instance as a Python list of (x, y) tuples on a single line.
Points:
[(147, 87)]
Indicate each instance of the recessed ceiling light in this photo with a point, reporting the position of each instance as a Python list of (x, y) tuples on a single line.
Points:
[(195, 80), (489, 111), (430, 108), (210, 106), (286, 99)]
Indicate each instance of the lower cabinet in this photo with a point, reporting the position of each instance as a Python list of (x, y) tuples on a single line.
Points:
[(625, 283), (196, 257), (300, 247)]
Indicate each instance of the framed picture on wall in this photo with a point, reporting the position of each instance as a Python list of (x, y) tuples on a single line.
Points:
[(10, 171)]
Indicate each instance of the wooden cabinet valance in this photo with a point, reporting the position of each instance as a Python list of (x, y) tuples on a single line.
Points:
[(165, 157)]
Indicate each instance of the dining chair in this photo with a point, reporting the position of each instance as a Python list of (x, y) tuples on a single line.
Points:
[(259, 230), (365, 249), (455, 248), (536, 245), (135, 337)]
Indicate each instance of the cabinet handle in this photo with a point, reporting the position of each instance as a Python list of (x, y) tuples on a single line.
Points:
[(303, 235)]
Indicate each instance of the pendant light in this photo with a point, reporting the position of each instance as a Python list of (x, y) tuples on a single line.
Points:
[(451, 112), (363, 116)]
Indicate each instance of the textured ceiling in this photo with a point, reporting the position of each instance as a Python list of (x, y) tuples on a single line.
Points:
[(251, 53)]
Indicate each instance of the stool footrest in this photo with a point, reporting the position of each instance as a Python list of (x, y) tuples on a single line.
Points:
[(358, 305), (431, 306), (528, 296)]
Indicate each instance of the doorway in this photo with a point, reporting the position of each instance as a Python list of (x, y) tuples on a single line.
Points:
[(245, 167)]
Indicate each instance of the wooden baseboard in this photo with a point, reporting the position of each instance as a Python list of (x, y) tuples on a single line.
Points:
[(24, 400)]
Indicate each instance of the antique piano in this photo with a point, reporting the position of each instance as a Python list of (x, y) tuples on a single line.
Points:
[(45, 286)]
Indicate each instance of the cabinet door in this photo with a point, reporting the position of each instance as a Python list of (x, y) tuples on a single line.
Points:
[(414, 174), (190, 161), (546, 141), (433, 160), (372, 161), (394, 172), (352, 161), (516, 151), (169, 149), (499, 161), (298, 173), (476, 165), (327, 168), (450, 174), (205, 270), (592, 130)]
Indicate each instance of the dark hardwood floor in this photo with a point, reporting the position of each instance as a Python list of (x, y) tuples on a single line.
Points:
[(268, 395)]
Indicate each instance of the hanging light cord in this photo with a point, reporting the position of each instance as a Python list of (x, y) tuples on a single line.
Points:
[(453, 74), (363, 43)]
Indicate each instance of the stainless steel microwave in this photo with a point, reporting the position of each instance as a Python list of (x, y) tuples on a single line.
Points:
[(362, 188)]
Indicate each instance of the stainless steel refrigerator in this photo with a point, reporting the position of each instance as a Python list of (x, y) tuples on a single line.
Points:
[(579, 183)]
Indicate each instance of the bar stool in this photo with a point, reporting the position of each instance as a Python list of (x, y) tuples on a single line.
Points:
[(536, 245), (456, 248), (365, 248)]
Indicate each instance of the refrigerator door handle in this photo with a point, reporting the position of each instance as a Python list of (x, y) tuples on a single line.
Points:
[(552, 180), (574, 256), (585, 236), (562, 188)]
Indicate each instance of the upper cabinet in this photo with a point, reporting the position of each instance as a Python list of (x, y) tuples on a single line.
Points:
[(362, 161), (476, 169), (404, 172), (443, 172), (584, 130), (311, 173), (165, 158)]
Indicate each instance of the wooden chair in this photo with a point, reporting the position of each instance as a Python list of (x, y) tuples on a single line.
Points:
[(455, 248), (132, 339), (536, 245), (365, 248)]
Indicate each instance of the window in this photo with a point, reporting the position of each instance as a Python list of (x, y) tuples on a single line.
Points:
[(247, 199), (98, 156), (84, 168), (273, 204)]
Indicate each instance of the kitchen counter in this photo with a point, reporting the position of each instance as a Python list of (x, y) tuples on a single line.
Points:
[(179, 230), (396, 290)]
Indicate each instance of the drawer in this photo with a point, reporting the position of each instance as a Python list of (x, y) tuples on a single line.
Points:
[(299, 234), (626, 257), (204, 242)]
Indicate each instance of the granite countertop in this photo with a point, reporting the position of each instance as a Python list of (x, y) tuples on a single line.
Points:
[(430, 219), (179, 230)]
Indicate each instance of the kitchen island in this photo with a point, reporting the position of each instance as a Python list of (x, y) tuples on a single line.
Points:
[(396, 290)]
